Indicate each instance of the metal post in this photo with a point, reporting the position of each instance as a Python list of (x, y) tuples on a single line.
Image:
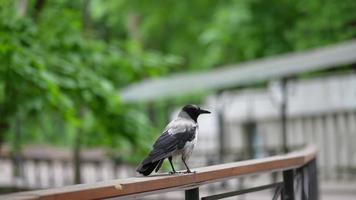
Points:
[(284, 91), (288, 181), (192, 194), (222, 138), (304, 182), (313, 180), (250, 134), (221, 127), (76, 157)]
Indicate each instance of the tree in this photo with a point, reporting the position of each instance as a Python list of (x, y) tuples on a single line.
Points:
[(63, 62), (59, 79)]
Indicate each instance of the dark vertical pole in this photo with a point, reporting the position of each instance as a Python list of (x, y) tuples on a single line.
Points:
[(77, 149), (76, 157), (250, 131), (192, 194), (3, 127), (221, 128), (304, 182), (221, 135), (288, 181), (284, 91), (313, 180), (151, 110)]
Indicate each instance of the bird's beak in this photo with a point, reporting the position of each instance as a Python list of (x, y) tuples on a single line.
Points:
[(204, 111)]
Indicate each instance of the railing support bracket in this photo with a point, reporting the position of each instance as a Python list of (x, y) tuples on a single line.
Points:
[(288, 180), (192, 194)]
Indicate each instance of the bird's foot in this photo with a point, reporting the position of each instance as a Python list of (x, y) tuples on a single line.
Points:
[(189, 172)]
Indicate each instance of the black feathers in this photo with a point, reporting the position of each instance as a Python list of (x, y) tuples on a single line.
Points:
[(194, 111), (147, 168), (169, 142)]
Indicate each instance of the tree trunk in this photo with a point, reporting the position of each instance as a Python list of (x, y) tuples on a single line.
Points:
[(22, 7), (3, 128), (86, 16), (39, 5), (133, 23)]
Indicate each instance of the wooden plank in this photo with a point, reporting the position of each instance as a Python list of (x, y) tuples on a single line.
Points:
[(157, 183)]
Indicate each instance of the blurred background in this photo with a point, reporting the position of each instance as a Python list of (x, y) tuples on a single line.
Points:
[(74, 109)]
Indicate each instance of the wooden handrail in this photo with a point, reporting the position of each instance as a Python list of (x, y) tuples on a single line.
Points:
[(137, 186)]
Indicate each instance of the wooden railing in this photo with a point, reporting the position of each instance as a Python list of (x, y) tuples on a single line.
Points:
[(300, 164)]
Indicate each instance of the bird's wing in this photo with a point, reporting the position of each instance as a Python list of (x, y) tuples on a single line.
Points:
[(172, 139)]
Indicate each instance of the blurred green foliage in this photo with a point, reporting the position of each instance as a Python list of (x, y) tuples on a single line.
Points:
[(63, 62), (58, 79), (213, 33)]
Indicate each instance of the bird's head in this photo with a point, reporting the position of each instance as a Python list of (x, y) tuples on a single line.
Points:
[(194, 111)]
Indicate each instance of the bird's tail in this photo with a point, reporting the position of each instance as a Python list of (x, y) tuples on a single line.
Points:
[(147, 169)]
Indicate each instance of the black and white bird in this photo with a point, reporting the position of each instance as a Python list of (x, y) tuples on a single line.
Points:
[(178, 139)]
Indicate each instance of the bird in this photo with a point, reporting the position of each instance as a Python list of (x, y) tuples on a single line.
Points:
[(178, 139)]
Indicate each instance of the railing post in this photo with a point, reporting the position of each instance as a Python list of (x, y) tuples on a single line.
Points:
[(192, 194), (288, 181), (313, 180), (284, 106), (310, 189)]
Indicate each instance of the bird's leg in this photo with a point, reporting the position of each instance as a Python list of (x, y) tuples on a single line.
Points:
[(188, 170), (170, 161)]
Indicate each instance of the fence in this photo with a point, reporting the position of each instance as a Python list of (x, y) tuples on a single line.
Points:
[(46, 167), (320, 111), (298, 168)]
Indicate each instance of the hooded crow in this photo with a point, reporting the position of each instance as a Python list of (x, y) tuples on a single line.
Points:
[(178, 139)]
